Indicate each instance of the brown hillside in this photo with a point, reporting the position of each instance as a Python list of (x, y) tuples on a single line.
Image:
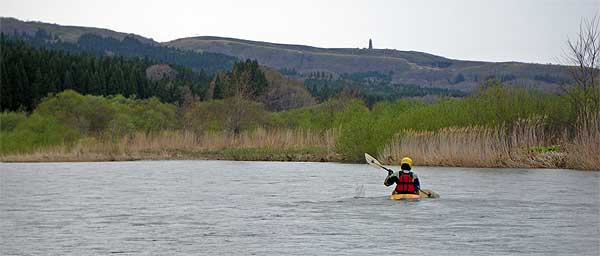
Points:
[(65, 33), (408, 67)]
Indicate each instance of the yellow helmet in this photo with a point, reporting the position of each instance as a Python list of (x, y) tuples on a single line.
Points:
[(408, 161)]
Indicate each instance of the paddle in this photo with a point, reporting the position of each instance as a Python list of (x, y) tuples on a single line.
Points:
[(374, 162)]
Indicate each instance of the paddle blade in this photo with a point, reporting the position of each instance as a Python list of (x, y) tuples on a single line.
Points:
[(372, 161)]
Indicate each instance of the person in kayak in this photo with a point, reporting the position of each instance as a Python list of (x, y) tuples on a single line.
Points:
[(406, 181)]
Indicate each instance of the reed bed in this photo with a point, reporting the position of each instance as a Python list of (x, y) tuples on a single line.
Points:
[(181, 144), (584, 150), (477, 147), (508, 146)]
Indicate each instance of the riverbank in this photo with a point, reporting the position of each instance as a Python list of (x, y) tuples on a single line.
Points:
[(256, 145), (550, 157), (523, 145), (521, 129), (245, 154)]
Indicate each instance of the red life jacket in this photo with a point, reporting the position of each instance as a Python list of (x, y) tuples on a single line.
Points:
[(405, 184)]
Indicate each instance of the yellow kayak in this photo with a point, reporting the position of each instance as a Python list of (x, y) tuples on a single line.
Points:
[(424, 193), (404, 196)]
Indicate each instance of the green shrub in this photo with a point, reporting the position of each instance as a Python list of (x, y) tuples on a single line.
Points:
[(232, 114), (87, 114), (113, 116), (10, 120), (150, 115), (364, 130), (319, 116), (37, 131)]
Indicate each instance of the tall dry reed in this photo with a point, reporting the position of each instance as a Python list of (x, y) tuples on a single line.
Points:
[(476, 147), (584, 149), (171, 144)]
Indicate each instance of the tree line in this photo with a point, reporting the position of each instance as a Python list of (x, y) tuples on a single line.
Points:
[(130, 47), (372, 91), (245, 79), (30, 73)]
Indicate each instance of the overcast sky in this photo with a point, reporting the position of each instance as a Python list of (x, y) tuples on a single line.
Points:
[(490, 30)]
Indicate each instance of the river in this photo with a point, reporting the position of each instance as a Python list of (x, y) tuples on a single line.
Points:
[(283, 208)]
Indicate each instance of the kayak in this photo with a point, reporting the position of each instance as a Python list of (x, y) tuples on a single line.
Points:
[(404, 196), (422, 194)]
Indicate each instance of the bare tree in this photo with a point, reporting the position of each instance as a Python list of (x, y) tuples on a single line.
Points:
[(238, 103), (583, 53)]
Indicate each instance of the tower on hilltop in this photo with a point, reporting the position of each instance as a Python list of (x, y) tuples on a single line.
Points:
[(370, 44)]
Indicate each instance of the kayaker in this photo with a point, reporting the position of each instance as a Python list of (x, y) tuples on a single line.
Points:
[(406, 181)]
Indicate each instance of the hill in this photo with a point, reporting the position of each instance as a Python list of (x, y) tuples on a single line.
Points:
[(325, 70), (30, 74), (106, 42), (403, 67), (12, 26)]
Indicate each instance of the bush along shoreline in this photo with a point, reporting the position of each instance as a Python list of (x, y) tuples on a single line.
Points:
[(498, 126)]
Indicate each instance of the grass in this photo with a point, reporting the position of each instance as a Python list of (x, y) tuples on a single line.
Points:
[(497, 128), (473, 146), (545, 149), (584, 149), (310, 154), (526, 144), (523, 145), (259, 144)]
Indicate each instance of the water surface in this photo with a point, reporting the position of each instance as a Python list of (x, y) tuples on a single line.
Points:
[(274, 208)]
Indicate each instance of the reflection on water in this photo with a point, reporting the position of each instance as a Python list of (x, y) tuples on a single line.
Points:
[(272, 208)]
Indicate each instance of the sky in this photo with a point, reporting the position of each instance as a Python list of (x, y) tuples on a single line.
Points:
[(533, 31)]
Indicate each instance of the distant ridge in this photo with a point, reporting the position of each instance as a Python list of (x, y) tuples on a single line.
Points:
[(403, 67), (406, 67), (66, 33), (298, 47), (108, 42)]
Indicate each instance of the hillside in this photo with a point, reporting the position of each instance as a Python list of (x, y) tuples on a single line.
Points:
[(103, 42), (69, 34), (362, 68), (405, 67), (33, 68), (30, 73)]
